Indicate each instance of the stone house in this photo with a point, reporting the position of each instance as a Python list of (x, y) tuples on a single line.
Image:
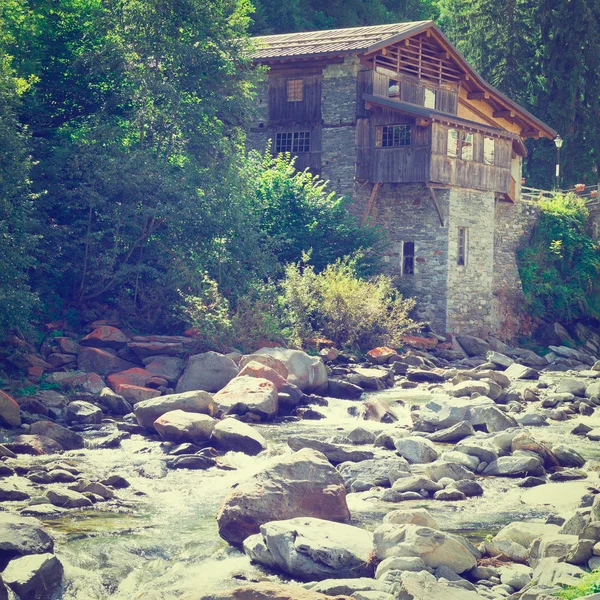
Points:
[(395, 118)]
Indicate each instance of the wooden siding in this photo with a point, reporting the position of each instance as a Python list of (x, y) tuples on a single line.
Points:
[(470, 173), (306, 111)]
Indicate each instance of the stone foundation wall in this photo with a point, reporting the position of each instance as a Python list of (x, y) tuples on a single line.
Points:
[(514, 223), (469, 305), (407, 213), (257, 139)]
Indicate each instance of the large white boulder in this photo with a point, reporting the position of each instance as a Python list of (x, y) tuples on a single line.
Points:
[(209, 371), (148, 411), (181, 426), (248, 394), (305, 371)]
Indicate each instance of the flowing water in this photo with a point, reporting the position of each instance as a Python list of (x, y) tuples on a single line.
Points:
[(162, 543)]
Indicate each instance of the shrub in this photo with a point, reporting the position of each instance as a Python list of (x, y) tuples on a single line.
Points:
[(559, 269), (339, 305)]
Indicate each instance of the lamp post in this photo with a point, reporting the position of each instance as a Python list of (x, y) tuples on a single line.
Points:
[(558, 142)]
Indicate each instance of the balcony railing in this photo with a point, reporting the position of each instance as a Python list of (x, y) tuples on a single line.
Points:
[(590, 193)]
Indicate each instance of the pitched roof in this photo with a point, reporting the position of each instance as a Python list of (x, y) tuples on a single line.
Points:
[(332, 41)]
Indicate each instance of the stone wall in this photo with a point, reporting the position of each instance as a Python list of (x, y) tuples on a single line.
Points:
[(514, 223), (408, 214), (469, 305), (338, 134), (258, 135)]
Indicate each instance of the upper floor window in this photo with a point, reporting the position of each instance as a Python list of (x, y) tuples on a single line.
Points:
[(460, 144), (394, 89), (489, 150), (407, 260), (429, 98), (292, 141), (463, 240), (295, 90), (393, 136)]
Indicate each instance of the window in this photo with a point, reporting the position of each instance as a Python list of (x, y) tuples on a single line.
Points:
[(429, 98), (407, 259), (292, 141), (461, 257), (489, 148), (453, 143), (393, 136), (295, 90), (394, 89), (460, 144), (467, 146)]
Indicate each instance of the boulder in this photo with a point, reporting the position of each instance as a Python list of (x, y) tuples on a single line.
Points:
[(516, 576), (414, 483), (20, 536), (374, 472), (466, 388), (68, 499), (273, 363), (571, 385), (68, 439), (524, 533), (466, 486), (135, 376), (209, 371), (231, 434), (416, 450), (303, 484), (496, 420), (34, 577), (10, 413), (9, 492), (442, 411), (517, 371), (147, 411), (434, 547), (266, 591), (424, 586), (257, 369), (84, 412), (335, 453), (382, 355), (499, 359), (137, 393), (441, 469), (415, 516), (248, 394), (35, 445), (101, 361), (514, 466), (473, 346), (422, 376), (307, 372), (180, 426), (567, 457), (313, 549), (550, 546), (105, 336), (167, 367), (338, 388), (455, 433)]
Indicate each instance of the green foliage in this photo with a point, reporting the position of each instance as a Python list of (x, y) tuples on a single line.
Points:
[(16, 208), (297, 213), (559, 268), (339, 305), (588, 584)]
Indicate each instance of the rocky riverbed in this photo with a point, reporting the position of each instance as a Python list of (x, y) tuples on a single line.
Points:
[(441, 472)]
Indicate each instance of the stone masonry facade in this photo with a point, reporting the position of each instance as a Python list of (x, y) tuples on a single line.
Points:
[(478, 297)]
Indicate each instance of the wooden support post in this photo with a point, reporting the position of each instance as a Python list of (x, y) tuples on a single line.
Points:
[(371, 202), (437, 206)]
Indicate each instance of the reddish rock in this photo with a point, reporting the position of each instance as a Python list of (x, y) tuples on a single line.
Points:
[(256, 369), (38, 361), (105, 336), (101, 361), (67, 345), (35, 445), (156, 382), (270, 361), (58, 360), (104, 322), (36, 372), (382, 355), (136, 393), (10, 413), (135, 376), (420, 343)]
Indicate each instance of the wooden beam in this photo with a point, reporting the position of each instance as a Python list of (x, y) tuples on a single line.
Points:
[(478, 95), (503, 114), (423, 122), (437, 206), (535, 134), (371, 202)]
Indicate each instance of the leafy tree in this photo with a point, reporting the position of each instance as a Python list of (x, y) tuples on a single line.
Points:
[(16, 207), (560, 266)]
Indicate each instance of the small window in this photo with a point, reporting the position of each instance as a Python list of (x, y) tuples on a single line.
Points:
[(461, 257), (489, 150), (292, 141), (407, 264), (466, 152), (429, 98), (453, 139), (393, 136), (394, 89), (295, 90)]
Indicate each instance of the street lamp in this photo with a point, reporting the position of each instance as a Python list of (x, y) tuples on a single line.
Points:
[(558, 142)]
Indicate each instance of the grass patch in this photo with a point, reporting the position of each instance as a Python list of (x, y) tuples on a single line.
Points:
[(589, 584)]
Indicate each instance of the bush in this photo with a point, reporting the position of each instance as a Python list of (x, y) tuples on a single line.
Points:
[(559, 269), (340, 306)]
